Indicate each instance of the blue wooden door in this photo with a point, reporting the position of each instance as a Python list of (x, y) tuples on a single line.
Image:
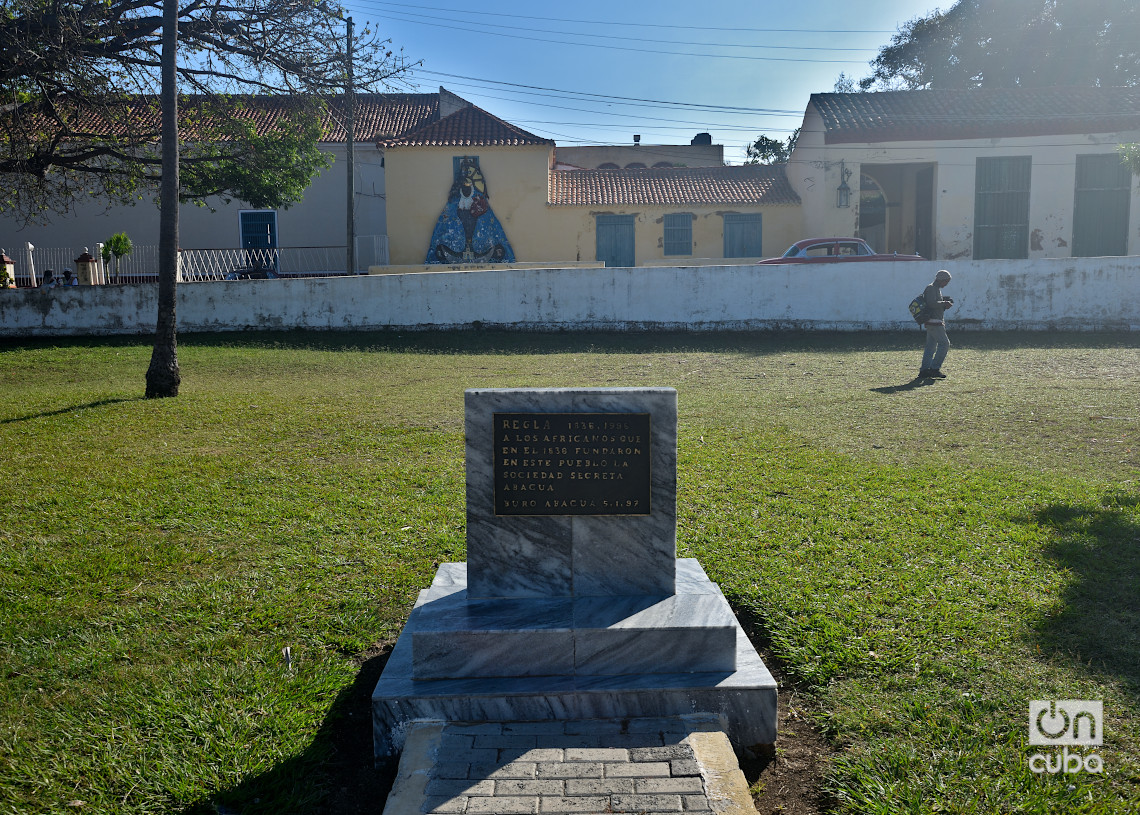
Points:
[(259, 237), (615, 235), (743, 235)]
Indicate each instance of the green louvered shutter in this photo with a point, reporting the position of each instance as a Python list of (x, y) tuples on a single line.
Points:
[(679, 233), (1001, 207), (1100, 208)]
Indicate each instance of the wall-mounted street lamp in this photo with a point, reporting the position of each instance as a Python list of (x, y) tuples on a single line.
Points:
[(843, 192)]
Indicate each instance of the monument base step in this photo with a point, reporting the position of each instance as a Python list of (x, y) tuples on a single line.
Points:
[(456, 636), (743, 695)]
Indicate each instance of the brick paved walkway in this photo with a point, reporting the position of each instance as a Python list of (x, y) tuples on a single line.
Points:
[(644, 766)]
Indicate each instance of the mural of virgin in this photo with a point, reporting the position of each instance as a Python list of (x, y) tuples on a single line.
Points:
[(467, 230)]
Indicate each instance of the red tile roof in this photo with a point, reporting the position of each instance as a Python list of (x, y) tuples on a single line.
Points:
[(469, 127), (747, 185), (978, 113), (381, 115), (378, 115)]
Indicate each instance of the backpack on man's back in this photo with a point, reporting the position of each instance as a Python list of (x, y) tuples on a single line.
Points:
[(918, 309)]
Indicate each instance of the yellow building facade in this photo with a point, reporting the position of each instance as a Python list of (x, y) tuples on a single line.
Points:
[(472, 189)]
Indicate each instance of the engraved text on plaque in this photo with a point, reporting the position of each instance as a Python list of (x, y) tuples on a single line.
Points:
[(572, 463)]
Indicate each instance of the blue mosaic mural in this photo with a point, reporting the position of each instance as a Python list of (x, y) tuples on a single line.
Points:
[(467, 230)]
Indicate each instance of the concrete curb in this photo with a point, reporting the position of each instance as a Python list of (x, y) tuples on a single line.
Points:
[(421, 750), (725, 784)]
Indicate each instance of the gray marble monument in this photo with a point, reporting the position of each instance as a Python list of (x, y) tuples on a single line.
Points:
[(572, 603)]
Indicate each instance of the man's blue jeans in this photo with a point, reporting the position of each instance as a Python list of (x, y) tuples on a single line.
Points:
[(937, 345)]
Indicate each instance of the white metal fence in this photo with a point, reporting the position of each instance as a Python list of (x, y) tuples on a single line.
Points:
[(141, 265)]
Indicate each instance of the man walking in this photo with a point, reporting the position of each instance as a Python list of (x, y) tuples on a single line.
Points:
[(937, 343)]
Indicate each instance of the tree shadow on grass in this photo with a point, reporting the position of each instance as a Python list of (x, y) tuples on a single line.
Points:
[(47, 414), (480, 339), (336, 774), (1098, 626)]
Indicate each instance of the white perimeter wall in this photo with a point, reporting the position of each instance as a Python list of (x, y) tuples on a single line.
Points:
[(1075, 294)]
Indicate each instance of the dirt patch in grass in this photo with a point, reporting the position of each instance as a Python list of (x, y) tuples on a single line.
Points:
[(791, 781)]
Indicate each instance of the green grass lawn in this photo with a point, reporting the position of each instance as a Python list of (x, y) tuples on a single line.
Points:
[(922, 560)]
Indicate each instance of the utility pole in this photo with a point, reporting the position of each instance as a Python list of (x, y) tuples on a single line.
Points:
[(350, 131)]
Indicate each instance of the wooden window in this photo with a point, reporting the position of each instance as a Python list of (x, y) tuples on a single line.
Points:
[(679, 233), (1001, 207), (1100, 209)]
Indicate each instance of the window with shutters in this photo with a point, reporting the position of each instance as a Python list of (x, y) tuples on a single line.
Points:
[(679, 233), (1001, 207), (1100, 208)]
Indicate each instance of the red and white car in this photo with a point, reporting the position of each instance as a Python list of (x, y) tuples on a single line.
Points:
[(829, 250)]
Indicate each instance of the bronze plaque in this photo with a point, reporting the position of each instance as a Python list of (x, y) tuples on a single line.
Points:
[(572, 463)]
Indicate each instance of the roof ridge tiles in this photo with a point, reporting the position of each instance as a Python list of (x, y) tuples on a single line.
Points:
[(470, 126), (971, 113)]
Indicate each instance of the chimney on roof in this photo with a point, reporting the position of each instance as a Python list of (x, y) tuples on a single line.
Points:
[(450, 103), (702, 138)]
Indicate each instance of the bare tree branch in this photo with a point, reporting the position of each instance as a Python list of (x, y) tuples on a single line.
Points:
[(79, 81)]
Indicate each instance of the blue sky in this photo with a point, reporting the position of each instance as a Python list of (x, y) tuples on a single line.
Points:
[(595, 72)]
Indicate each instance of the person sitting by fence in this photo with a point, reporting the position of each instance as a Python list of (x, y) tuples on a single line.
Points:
[(49, 281), (69, 279)]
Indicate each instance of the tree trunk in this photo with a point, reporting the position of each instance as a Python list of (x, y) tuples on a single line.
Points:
[(163, 378)]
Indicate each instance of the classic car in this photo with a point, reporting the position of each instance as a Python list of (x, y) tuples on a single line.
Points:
[(826, 250)]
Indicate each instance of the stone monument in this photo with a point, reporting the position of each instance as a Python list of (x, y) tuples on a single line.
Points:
[(572, 603)]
